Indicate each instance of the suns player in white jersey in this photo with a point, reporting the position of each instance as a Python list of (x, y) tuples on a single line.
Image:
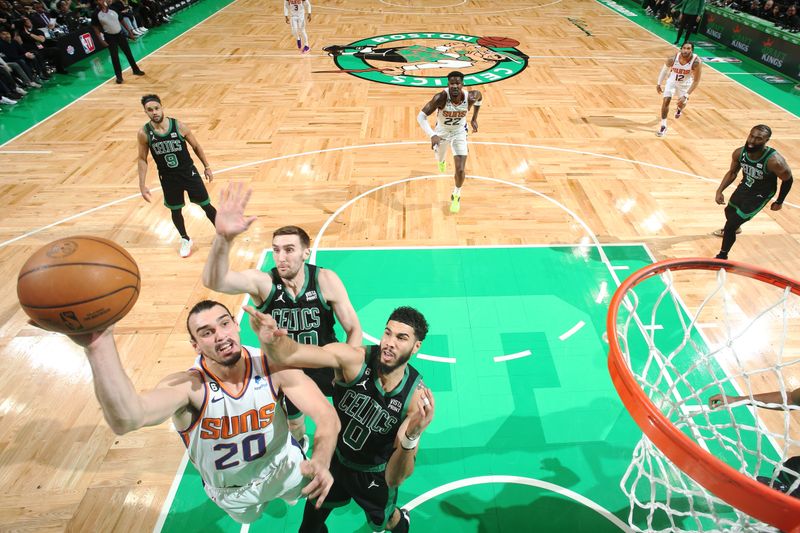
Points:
[(228, 411), (453, 106), (684, 77), (296, 13)]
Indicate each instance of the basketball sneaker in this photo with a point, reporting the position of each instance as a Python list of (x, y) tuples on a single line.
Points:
[(186, 247), (299, 44), (455, 203), (404, 524), (721, 232), (661, 131), (305, 49), (678, 112), (442, 166)]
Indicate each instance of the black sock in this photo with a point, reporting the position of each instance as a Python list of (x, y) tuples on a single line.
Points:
[(180, 225), (211, 212)]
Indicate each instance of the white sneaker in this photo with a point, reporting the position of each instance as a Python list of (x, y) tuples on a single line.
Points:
[(186, 247), (661, 131), (137, 31), (7, 101), (21, 91), (143, 29)]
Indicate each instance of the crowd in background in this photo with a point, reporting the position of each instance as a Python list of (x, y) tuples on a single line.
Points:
[(782, 14)]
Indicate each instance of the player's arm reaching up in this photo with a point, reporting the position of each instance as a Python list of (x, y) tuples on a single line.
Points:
[(230, 222), (436, 103), (664, 73), (475, 98), (420, 414), (791, 398), (123, 408)]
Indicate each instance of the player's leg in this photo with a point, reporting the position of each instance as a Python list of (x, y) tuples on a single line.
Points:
[(173, 200), (304, 36), (198, 194), (460, 158), (739, 210), (378, 500), (295, 25), (440, 152), (668, 91), (113, 50)]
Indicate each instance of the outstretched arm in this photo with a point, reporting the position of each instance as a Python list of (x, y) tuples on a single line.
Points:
[(230, 222), (281, 349), (775, 397), (124, 409), (730, 176), (192, 140), (420, 414)]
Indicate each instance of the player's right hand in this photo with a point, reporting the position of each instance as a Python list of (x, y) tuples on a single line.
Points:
[(720, 198), (146, 194), (659, 89), (264, 325), (287, 20), (230, 220), (320, 484), (435, 140)]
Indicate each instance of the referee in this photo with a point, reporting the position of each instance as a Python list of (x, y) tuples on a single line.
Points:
[(107, 21)]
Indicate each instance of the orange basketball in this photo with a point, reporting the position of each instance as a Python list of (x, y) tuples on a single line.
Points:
[(78, 284)]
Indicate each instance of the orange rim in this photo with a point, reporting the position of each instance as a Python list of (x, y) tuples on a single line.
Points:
[(742, 492)]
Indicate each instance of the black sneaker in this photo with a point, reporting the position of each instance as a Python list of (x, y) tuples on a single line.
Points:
[(138, 73), (119, 80)]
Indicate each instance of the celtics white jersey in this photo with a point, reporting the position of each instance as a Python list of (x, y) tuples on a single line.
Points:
[(681, 74), (236, 438), (296, 8), (453, 118)]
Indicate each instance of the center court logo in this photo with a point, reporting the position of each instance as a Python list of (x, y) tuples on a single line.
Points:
[(424, 59)]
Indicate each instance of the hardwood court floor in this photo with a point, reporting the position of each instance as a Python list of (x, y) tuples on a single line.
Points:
[(577, 127)]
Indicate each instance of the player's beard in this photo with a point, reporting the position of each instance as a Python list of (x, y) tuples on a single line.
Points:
[(755, 148), (384, 369)]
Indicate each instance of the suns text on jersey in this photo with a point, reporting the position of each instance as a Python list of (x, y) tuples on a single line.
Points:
[(228, 427)]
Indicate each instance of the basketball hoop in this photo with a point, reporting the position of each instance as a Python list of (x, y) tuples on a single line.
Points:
[(662, 392)]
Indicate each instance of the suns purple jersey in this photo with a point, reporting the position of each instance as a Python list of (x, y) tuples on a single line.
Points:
[(238, 437)]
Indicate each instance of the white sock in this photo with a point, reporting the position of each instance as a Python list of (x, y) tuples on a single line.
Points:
[(664, 122), (305, 37), (456, 191)]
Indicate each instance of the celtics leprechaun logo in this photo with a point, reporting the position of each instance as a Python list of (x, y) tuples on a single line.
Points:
[(424, 59)]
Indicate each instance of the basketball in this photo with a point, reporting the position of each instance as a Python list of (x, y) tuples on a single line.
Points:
[(78, 284), (498, 42)]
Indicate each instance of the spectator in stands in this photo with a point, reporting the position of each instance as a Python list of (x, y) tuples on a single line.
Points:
[(791, 21), (8, 85), (766, 10), (34, 41), (65, 17), (41, 20), (21, 62), (129, 20), (753, 7)]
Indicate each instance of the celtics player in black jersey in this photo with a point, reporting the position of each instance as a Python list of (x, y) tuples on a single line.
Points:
[(304, 299), (168, 139), (383, 407), (762, 167)]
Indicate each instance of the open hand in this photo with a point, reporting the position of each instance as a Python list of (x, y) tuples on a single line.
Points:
[(264, 325), (231, 220)]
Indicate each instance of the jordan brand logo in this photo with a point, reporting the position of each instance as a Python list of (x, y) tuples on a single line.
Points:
[(362, 384), (372, 484), (280, 298)]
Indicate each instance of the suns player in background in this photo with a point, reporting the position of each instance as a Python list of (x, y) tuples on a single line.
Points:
[(383, 409), (452, 106), (297, 12), (684, 76), (168, 139), (304, 299), (227, 409)]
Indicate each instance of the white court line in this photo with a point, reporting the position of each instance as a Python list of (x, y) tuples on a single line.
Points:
[(461, 3), (435, 358), (517, 480), (705, 325), (653, 327), (518, 355), (123, 70), (428, 13), (295, 56), (396, 143), (621, 267), (572, 331), (602, 293), (26, 152), (481, 246), (173, 489)]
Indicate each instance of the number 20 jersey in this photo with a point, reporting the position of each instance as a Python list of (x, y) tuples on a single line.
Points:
[(238, 438)]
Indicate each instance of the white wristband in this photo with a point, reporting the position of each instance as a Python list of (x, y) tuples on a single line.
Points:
[(406, 443), (662, 74)]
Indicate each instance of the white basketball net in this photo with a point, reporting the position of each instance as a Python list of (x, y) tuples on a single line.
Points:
[(679, 373)]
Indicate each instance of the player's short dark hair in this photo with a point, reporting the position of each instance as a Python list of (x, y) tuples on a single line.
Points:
[(199, 307), (690, 44), (455, 74), (150, 97), (411, 317), (305, 240), (763, 127)]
